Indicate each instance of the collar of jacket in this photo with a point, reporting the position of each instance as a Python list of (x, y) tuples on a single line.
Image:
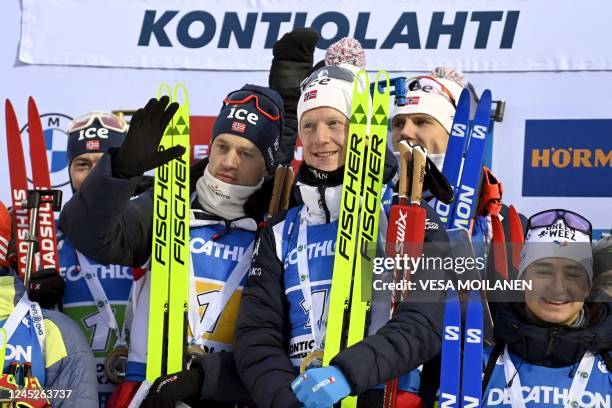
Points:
[(255, 207), (553, 345), (198, 217), (322, 198)]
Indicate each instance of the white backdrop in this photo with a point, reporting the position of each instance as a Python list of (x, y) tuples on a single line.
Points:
[(529, 95)]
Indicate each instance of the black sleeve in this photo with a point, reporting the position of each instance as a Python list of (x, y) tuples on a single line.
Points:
[(221, 380), (262, 330), (412, 337), (103, 222), (287, 142)]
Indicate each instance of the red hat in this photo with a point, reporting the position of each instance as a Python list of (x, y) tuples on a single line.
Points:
[(5, 233)]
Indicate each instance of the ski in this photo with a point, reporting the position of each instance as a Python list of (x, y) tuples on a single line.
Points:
[(450, 375), (170, 248), (180, 253), (467, 192), (463, 169), (42, 219), (471, 384), (348, 222), (370, 213), (457, 142), (406, 232), (40, 178), (19, 185)]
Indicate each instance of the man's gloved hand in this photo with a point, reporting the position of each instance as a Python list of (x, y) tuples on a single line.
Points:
[(321, 387), (293, 56), (139, 153), (166, 390), (46, 287)]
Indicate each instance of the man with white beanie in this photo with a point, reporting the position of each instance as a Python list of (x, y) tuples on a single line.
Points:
[(283, 316), (427, 116)]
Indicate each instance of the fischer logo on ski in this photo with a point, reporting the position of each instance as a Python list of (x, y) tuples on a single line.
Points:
[(170, 251)]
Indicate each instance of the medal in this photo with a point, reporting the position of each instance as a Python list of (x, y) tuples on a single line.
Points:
[(115, 364), (314, 359)]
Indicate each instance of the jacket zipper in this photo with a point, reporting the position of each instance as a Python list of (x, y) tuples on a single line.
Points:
[(554, 332)]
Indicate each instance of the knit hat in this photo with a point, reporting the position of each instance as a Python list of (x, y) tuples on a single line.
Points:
[(330, 86), (5, 233), (557, 241), (255, 113), (95, 132), (435, 95)]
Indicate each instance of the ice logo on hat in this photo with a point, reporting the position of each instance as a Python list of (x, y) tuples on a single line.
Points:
[(55, 132)]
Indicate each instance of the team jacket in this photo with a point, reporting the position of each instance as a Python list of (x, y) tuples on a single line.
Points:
[(105, 222), (547, 358), (79, 304), (67, 361), (273, 331)]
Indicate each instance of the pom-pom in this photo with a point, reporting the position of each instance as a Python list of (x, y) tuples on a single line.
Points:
[(450, 74), (347, 50)]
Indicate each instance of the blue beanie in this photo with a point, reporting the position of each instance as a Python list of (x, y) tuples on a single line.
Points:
[(93, 139), (246, 120)]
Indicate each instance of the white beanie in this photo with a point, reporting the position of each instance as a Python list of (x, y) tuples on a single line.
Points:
[(431, 95), (331, 86), (557, 241)]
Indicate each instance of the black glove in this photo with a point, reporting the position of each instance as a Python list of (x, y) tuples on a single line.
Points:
[(139, 153), (165, 391), (46, 287), (293, 56)]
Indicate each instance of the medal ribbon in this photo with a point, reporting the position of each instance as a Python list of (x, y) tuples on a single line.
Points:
[(101, 300), (317, 328), (579, 383), (201, 326)]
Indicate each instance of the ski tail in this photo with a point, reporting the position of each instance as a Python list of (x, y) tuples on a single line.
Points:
[(346, 240), (455, 152), (450, 375), (471, 385), (40, 175), (467, 194), (160, 258), (19, 186), (179, 250)]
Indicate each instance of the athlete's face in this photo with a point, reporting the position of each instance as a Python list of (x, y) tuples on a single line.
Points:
[(604, 282), (236, 160), (81, 166), (323, 132), (559, 289), (421, 129)]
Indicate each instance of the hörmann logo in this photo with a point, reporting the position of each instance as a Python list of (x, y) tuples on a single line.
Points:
[(464, 29), (567, 158), (570, 157)]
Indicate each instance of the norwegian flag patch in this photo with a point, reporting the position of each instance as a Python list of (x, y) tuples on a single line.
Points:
[(413, 100), (92, 145), (310, 95), (238, 127)]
